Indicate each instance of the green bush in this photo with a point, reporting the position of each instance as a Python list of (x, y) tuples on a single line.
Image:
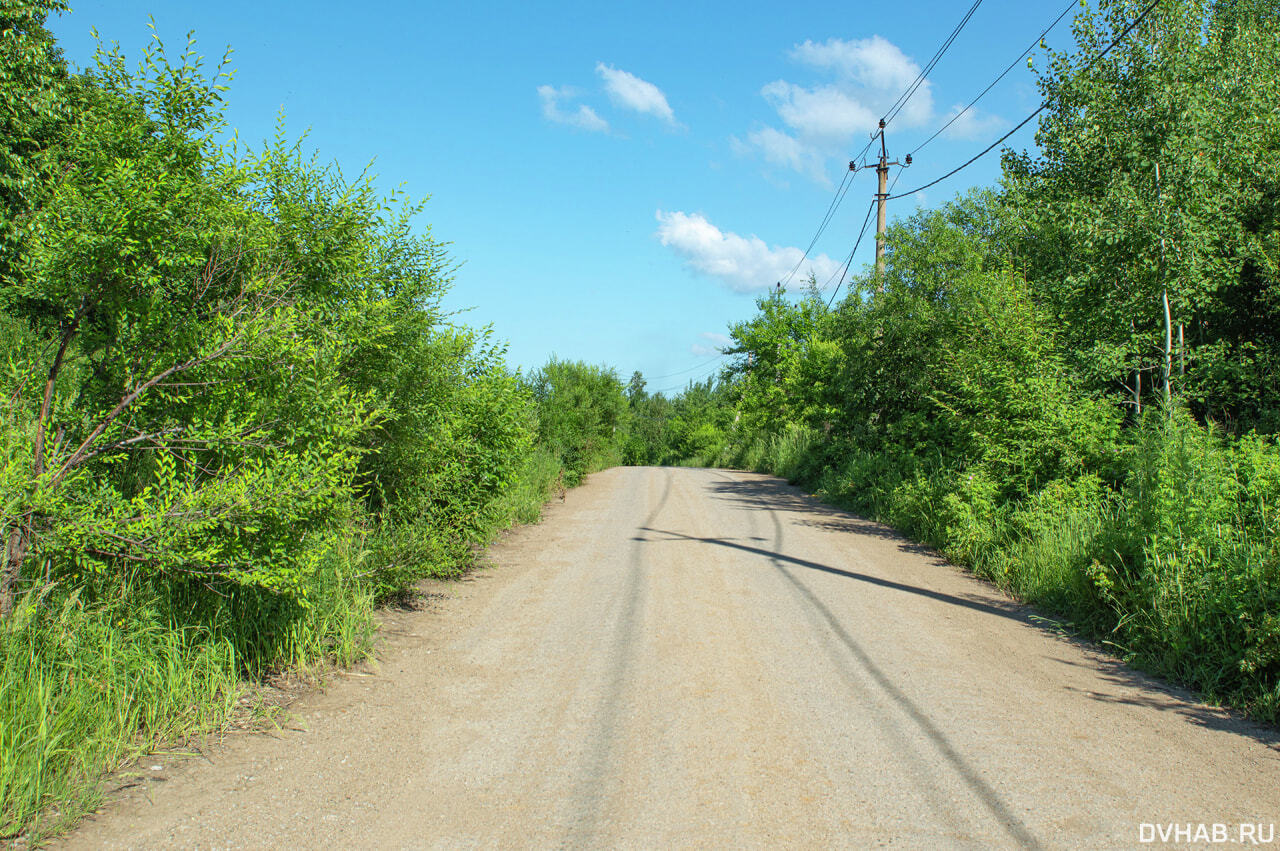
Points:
[(582, 413), (232, 414)]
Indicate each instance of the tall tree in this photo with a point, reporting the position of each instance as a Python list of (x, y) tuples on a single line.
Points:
[(1157, 174)]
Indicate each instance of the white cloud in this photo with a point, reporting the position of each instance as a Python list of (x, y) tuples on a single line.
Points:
[(746, 264), (628, 90), (829, 119), (713, 344), (785, 150), (875, 65), (973, 124), (584, 117), (825, 112)]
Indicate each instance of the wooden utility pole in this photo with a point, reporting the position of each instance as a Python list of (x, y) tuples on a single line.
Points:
[(882, 183), (882, 197)]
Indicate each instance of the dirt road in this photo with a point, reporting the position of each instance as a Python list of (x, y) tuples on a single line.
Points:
[(704, 658)]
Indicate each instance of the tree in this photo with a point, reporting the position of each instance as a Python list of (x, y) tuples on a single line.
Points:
[(1158, 174)]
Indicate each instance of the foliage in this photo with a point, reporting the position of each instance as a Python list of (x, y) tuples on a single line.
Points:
[(581, 415), (234, 416), (35, 108), (1157, 173)]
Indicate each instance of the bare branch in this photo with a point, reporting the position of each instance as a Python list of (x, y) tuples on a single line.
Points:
[(140, 438), (78, 457)]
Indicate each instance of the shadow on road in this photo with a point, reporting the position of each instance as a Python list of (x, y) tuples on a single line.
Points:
[(777, 495), (1012, 610), (1136, 688), (766, 495)]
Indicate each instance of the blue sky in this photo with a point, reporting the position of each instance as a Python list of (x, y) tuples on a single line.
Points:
[(619, 180)]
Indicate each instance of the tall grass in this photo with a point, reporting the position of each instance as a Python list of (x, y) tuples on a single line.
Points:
[(91, 678), (83, 687), (522, 502)]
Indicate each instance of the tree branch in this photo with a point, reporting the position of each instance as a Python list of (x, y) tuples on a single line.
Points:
[(80, 454), (37, 464)]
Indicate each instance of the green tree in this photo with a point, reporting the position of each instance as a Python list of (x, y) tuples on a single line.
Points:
[(1157, 173), (37, 97), (582, 415)]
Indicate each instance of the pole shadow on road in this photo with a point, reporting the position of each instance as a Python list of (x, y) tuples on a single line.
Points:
[(1133, 687)]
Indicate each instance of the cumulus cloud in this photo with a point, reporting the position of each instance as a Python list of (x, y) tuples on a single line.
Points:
[(627, 90), (876, 69), (784, 150), (584, 117), (824, 112), (826, 120), (744, 263), (711, 344)]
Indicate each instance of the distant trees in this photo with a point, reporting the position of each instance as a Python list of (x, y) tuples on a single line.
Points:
[(582, 415)]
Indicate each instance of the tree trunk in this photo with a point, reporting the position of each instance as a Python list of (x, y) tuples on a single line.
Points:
[(1167, 369), (15, 553)]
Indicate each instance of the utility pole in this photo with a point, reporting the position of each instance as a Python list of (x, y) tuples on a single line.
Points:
[(882, 197)]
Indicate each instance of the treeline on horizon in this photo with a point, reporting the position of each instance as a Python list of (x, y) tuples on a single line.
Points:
[(1069, 382)]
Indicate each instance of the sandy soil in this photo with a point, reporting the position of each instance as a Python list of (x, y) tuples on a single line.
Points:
[(704, 658)]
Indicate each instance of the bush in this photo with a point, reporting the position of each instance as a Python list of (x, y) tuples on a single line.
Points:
[(581, 415)]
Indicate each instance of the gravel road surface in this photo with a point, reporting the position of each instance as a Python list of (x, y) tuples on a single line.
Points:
[(704, 658)]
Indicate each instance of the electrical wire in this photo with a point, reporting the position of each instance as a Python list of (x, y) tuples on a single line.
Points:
[(836, 200), (901, 102), (846, 183), (1003, 74), (1038, 110), (840, 271), (683, 371), (897, 107), (685, 385), (861, 234), (849, 262), (867, 147)]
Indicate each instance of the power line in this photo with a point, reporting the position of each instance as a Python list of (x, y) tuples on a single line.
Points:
[(867, 147), (685, 385), (897, 107), (861, 234), (1038, 110), (972, 161), (1003, 73), (822, 226), (683, 371), (849, 262), (843, 189), (901, 102), (846, 183)]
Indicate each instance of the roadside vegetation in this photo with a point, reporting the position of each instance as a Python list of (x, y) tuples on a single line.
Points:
[(1069, 382), (235, 418)]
